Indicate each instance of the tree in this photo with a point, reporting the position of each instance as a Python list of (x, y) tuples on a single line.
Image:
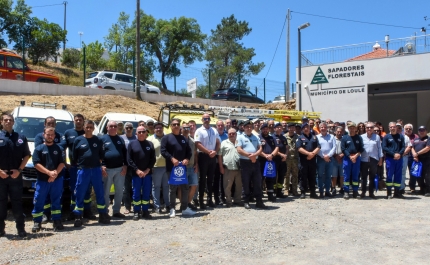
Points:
[(41, 39), (227, 57), (172, 41), (71, 57), (93, 56), (120, 43), (12, 20)]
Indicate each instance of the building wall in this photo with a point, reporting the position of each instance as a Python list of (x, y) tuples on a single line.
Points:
[(345, 95)]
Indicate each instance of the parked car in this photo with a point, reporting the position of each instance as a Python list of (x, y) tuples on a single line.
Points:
[(279, 99), (12, 67), (124, 117), (29, 121), (116, 81), (234, 94)]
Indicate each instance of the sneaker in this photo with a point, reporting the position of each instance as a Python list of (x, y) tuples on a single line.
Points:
[(192, 207), (22, 233), (328, 194), (246, 205), (427, 194), (158, 211), (118, 215), (36, 227), (228, 204), (239, 203), (58, 225), (172, 213), (302, 196), (188, 211), (78, 222), (136, 216), (260, 205), (314, 196), (346, 195), (44, 219), (362, 195)]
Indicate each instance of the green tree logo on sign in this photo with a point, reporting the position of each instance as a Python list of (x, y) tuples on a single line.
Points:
[(319, 77)]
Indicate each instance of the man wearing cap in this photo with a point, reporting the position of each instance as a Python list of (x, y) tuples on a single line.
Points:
[(405, 156), (269, 152), (150, 127), (352, 147), (234, 124), (128, 191), (240, 127), (280, 159), (393, 146), (207, 142), (249, 148), (120, 127), (325, 159), (298, 129), (420, 153), (342, 124), (308, 147), (160, 178), (292, 161)]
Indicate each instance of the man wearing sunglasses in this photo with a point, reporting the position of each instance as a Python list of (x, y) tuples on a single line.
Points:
[(114, 166), (141, 157), (208, 143), (128, 191)]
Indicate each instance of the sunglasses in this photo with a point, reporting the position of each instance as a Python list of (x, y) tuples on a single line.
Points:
[(206, 119), (150, 124), (186, 128), (175, 124), (377, 130), (141, 132), (421, 130), (7, 120)]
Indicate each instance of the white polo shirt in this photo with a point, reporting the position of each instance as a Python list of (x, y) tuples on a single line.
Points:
[(207, 137)]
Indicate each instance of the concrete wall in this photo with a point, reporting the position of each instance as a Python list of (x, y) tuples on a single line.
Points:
[(33, 88), (346, 98)]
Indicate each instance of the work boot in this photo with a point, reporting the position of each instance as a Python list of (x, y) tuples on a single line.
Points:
[(346, 195), (88, 214), (398, 194), (103, 218), (355, 194), (58, 225), (260, 205), (202, 204), (36, 227), (322, 195), (78, 221), (210, 203), (341, 191), (314, 195), (247, 206), (44, 219), (71, 216), (270, 196), (389, 194), (328, 194), (21, 232), (371, 195), (136, 217), (280, 194), (362, 195)]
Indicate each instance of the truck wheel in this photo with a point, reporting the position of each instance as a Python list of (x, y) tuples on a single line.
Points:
[(45, 80), (109, 87)]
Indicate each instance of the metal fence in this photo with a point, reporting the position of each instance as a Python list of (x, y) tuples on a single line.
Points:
[(263, 88), (396, 47)]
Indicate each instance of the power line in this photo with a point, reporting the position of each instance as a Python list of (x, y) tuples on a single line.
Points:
[(49, 5), (356, 21)]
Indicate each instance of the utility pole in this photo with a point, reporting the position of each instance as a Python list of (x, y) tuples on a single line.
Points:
[(138, 96), (65, 8), (287, 87)]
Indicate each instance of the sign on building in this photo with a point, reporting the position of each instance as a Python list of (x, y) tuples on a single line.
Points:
[(319, 77)]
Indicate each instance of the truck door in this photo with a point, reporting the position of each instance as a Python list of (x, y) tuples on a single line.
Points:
[(3, 70), (14, 67)]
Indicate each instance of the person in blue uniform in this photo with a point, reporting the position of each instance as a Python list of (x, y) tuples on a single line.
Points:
[(88, 153), (141, 157), (393, 146), (67, 141), (269, 151), (14, 154), (49, 163), (249, 148), (281, 159), (38, 140), (308, 147), (352, 147)]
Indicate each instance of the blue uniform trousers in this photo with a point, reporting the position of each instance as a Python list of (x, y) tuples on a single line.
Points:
[(142, 188), (394, 172), (47, 206), (85, 178), (51, 191), (351, 170), (73, 175)]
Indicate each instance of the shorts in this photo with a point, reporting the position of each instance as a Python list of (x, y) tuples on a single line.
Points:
[(337, 169), (193, 178)]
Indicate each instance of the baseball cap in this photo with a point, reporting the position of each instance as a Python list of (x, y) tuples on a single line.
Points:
[(305, 118), (128, 124), (233, 121), (422, 128), (291, 124), (304, 125), (298, 125), (352, 124), (398, 124), (158, 123), (150, 122), (278, 124), (246, 122), (265, 125)]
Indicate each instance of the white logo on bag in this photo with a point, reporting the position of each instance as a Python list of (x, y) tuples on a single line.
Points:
[(270, 166), (179, 172)]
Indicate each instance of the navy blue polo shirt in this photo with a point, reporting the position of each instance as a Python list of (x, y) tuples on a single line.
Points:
[(39, 139), (352, 144), (67, 141), (419, 144), (392, 144), (87, 152), (309, 143), (115, 152), (282, 143), (49, 157), (268, 143), (13, 148)]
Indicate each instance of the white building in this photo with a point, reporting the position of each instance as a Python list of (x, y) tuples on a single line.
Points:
[(376, 86)]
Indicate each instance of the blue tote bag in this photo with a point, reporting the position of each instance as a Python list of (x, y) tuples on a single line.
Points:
[(376, 181), (416, 169), (178, 175), (270, 169)]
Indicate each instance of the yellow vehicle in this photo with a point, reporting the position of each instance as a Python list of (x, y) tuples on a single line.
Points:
[(291, 115), (185, 113)]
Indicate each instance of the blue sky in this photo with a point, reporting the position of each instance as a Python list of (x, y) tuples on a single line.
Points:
[(95, 17)]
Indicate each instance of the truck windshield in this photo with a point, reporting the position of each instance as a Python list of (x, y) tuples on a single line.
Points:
[(30, 127)]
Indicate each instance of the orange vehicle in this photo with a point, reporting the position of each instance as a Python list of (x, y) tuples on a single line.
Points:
[(11, 67)]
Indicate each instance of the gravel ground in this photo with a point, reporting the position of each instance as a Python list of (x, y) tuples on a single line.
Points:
[(327, 231)]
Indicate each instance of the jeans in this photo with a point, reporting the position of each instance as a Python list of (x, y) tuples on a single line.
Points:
[(12, 188), (404, 168), (160, 180), (325, 169), (114, 177)]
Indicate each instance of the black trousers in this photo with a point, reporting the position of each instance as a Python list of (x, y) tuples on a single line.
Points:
[(368, 169), (281, 168), (206, 178), (251, 173), (12, 188), (270, 182), (128, 189), (308, 171), (424, 181), (218, 185)]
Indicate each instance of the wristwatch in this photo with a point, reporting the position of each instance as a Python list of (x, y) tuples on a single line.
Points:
[(19, 170)]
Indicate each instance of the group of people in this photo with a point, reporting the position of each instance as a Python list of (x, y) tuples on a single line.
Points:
[(232, 163)]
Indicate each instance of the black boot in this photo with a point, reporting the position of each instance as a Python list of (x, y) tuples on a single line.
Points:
[(71, 216), (314, 195), (389, 194), (103, 218), (303, 195), (355, 194), (146, 215), (280, 194), (271, 197), (260, 204), (88, 214), (78, 221), (58, 225), (202, 204), (36, 227), (398, 194)]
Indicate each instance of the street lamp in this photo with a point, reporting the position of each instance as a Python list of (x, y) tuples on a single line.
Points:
[(299, 83), (387, 40), (80, 37)]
